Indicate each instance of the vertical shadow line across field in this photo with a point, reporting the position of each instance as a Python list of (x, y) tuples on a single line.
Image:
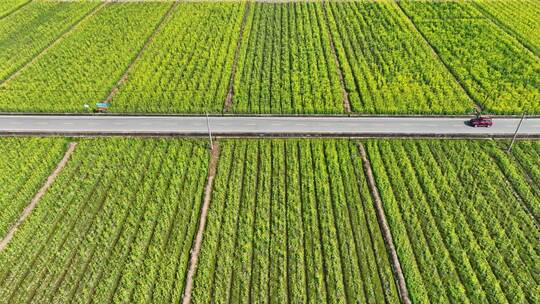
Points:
[(14, 10), (478, 105), (35, 200), (519, 38), (57, 41), (230, 91), (196, 248), (383, 224), (346, 103), (166, 17)]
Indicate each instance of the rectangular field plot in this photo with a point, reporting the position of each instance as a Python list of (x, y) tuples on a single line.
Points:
[(496, 69), (387, 66), (116, 226), (521, 17), (292, 221), (29, 31), (187, 67), (85, 66), (285, 64), (25, 164), (463, 217)]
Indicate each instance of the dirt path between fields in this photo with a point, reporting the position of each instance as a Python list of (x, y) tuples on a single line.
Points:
[(385, 229), (230, 93), (26, 212), (212, 168), (346, 103), (150, 38), (54, 43)]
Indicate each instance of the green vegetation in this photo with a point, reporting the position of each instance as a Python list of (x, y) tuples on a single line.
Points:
[(85, 66), (521, 17), (285, 64), (187, 67), (116, 226), (460, 215), (26, 33), (387, 66), (9, 6), (497, 71), (25, 164), (292, 221), (395, 57)]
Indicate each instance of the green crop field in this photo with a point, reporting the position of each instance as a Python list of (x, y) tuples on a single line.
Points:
[(24, 167), (292, 221), (313, 57), (289, 220), (464, 218), (116, 226)]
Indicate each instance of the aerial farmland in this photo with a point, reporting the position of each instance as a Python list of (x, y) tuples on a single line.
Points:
[(161, 151)]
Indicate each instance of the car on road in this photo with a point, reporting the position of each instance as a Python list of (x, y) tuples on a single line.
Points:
[(481, 121)]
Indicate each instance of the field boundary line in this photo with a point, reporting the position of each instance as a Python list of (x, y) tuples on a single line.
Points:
[(505, 28), (230, 92), (385, 229), (166, 17), (479, 106), (197, 242), (346, 103), (37, 197), (14, 10), (54, 43)]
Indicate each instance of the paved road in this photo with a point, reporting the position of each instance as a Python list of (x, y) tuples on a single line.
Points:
[(254, 126)]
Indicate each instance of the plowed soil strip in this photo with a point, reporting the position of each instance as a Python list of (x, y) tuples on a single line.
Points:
[(346, 103), (26, 212), (230, 93), (54, 43), (385, 230), (214, 156), (150, 38)]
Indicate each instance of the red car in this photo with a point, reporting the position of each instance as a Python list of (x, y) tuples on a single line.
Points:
[(481, 122)]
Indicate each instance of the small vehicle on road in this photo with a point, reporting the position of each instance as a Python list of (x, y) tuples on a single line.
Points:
[(481, 121)]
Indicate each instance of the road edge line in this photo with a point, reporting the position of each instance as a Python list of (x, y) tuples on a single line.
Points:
[(197, 242), (37, 197), (383, 225)]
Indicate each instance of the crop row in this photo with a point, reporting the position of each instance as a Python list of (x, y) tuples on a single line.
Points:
[(430, 57), (116, 226), (292, 221), (387, 66), (18, 44), (9, 6), (87, 64), (285, 63), (24, 167), (520, 16), (459, 217), (495, 69), (187, 66)]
